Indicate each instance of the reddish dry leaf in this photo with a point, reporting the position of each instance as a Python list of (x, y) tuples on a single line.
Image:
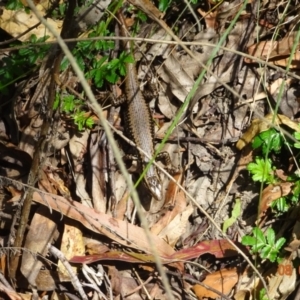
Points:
[(218, 248), (114, 256), (222, 281), (272, 193), (15, 193), (266, 24), (3, 262)]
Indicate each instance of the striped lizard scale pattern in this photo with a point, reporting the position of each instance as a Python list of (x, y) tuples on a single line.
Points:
[(139, 122)]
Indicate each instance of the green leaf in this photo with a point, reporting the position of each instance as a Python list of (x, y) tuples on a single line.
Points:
[(33, 38), (112, 77), (56, 101), (62, 8), (89, 122), (68, 103), (25, 51), (265, 251), (297, 145), (129, 59), (79, 120), (280, 205), (263, 295), (297, 135), (236, 211), (269, 140), (296, 189), (270, 236), (248, 240), (257, 232), (280, 243), (142, 16), (261, 170), (164, 5), (258, 241), (99, 76), (14, 5)]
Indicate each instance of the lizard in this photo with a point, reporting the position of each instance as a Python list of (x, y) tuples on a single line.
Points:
[(138, 120)]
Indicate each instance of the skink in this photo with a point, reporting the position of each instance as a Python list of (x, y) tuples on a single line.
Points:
[(139, 122)]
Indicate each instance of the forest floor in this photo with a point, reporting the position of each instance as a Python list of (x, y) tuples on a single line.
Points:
[(86, 213)]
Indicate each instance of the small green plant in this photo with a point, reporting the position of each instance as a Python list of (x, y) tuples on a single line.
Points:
[(21, 63), (75, 109), (297, 137), (269, 140), (236, 212), (263, 294), (93, 59), (14, 5), (95, 63), (163, 5), (262, 170), (264, 245), (59, 11), (271, 143)]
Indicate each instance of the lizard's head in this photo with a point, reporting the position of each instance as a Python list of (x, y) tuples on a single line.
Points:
[(154, 186)]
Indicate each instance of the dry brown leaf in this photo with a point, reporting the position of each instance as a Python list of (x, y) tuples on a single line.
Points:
[(272, 193), (175, 204), (282, 284), (42, 231), (175, 229), (283, 62), (272, 49), (247, 285), (222, 281), (242, 295), (95, 248), (175, 76), (10, 293), (147, 6), (116, 280), (45, 184), (78, 146), (171, 196), (210, 18), (120, 231), (261, 50)]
